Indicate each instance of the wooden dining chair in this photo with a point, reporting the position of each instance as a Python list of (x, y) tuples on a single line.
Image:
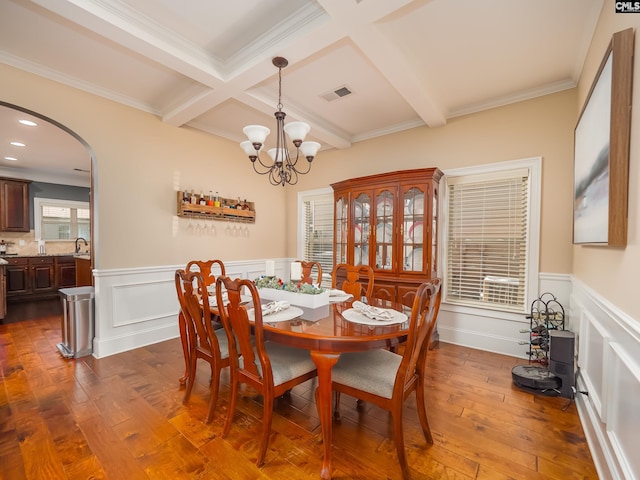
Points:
[(307, 271), (270, 368), (204, 342), (351, 283), (206, 268), (385, 378)]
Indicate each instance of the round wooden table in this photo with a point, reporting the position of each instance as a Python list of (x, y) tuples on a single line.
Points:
[(326, 335)]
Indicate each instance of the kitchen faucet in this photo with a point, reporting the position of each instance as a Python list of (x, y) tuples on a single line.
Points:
[(78, 246)]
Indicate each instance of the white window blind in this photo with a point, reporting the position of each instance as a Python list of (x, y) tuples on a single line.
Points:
[(317, 231), (487, 239)]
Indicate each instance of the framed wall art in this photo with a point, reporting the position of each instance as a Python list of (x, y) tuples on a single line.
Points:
[(601, 154)]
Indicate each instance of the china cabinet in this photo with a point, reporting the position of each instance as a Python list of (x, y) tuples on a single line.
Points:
[(390, 222)]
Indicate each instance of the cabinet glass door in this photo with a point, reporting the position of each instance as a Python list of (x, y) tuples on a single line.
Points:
[(361, 229), (384, 230), (434, 234), (341, 230), (414, 230)]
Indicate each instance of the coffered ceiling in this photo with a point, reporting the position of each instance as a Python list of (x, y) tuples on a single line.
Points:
[(206, 64)]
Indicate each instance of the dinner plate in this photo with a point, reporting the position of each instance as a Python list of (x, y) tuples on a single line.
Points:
[(384, 233), (418, 204), (340, 298), (359, 254), (415, 259), (415, 232), (384, 207), (281, 316), (357, 233), (355, 316)]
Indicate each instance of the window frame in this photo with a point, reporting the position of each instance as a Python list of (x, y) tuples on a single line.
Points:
[(534, 166), (302, 198), (38, 202)]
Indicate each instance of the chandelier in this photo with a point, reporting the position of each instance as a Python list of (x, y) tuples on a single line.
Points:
[(283, 169)]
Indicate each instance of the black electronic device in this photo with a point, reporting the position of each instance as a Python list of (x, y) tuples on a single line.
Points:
[(562, 360)]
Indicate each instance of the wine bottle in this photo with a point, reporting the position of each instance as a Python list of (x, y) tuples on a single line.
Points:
[(185, 197), (203, 199)]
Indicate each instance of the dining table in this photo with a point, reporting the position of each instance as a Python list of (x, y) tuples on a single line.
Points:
[(328, 331)]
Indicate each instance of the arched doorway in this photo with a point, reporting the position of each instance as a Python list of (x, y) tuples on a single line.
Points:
[(45, 152)]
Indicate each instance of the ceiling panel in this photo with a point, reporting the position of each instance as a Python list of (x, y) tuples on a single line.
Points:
[(206, 64)]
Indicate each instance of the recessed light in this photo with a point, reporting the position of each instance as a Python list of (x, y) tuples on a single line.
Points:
[(18, 144), (13, 159), (28, 123)]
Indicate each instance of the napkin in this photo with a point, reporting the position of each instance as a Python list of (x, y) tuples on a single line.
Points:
[(372, 312), (274, 307)]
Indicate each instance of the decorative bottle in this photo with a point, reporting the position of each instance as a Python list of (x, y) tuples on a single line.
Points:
[(203, 199)]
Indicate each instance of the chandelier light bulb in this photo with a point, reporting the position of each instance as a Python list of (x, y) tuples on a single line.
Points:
[(309, 149), (257, 134), (277, 154), (297, 131)]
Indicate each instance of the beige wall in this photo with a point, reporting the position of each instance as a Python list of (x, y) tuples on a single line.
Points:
[(541, 127), (140, 164), (613, 272)]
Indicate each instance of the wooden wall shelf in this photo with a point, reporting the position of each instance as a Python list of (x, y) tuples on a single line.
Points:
[(222, 213)]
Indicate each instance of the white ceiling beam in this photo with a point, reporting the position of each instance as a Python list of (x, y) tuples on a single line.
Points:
[(359, 22), (127, 28)]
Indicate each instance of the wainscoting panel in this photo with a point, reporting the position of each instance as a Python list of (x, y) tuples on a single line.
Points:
[(609, 374), (138, 306)]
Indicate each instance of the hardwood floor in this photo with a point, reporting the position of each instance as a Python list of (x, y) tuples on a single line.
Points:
[(122, 417)]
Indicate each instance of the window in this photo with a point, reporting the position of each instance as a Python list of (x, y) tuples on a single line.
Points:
[(492, 235), (315, 243), (61, 219)]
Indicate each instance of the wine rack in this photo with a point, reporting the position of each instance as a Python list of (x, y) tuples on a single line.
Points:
[(546, 314), (225, 212)]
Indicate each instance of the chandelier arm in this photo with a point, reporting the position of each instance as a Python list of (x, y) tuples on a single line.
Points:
[(300, 172), (292, 175), (268, 170)]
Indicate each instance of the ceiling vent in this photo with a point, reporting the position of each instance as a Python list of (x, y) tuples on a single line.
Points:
[(337, 93)]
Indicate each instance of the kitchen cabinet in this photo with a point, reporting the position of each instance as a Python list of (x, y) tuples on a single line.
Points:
[(83, 272), (390, 222), (30, 278), (65, 271), (14, 205)]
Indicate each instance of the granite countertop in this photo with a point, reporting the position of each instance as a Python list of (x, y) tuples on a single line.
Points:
[(69, 254)]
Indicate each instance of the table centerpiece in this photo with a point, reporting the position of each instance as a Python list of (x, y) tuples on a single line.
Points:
[(294, 292)]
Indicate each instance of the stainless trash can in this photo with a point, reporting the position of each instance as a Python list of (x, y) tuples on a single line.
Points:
[(77, 321)]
